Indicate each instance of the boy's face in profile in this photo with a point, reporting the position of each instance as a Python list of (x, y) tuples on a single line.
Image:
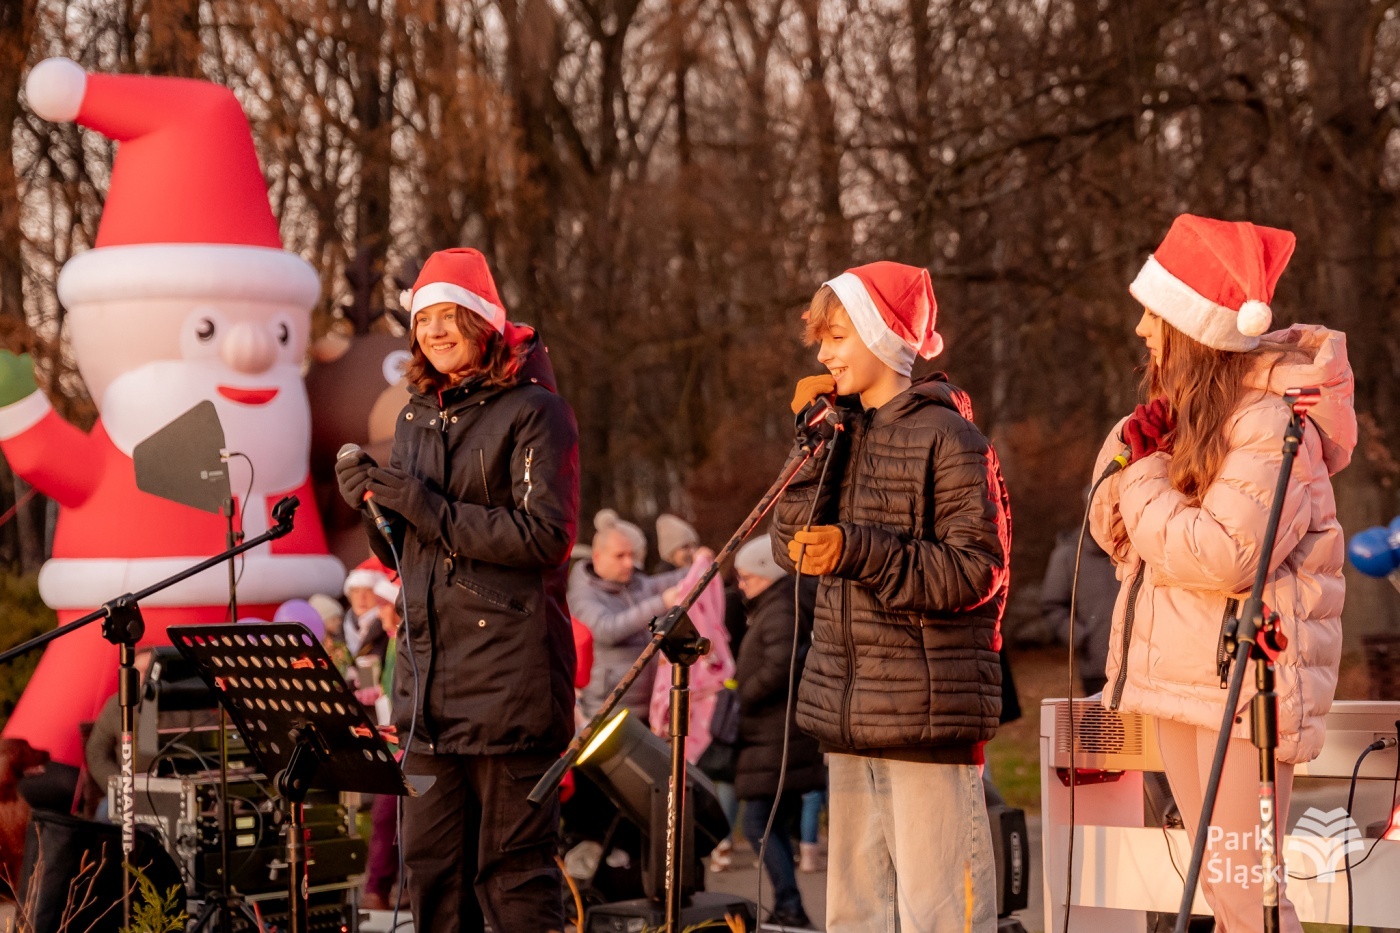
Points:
[(846, 356)]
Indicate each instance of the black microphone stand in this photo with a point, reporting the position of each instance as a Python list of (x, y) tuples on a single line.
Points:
[(123, 626), (1257, 628), (675, 635)]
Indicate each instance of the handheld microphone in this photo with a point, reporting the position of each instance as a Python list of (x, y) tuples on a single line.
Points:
[(380, 522), (1118, 463)]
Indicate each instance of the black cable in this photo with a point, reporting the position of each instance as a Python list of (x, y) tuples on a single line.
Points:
[(792, 687), (412, 726), (1073, 675), (1389, 819), (1351, 796), (238, 539)]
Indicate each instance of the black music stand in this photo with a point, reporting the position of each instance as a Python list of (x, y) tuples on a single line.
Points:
[(300, 721)]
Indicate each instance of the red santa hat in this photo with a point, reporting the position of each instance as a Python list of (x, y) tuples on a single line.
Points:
[(1213, 279), (368, 575), (893, 309), (186, 214), (462, 277)]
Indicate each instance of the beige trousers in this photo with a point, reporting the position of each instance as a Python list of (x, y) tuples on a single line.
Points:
[(1230, 875)]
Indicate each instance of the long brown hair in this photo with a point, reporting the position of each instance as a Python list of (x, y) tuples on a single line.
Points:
[(493, 358), (1203, 387)]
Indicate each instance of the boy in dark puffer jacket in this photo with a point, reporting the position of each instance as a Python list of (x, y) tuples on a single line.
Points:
[(905, 518)]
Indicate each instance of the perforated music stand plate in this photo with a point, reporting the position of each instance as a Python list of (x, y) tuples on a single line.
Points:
[(274, 677)]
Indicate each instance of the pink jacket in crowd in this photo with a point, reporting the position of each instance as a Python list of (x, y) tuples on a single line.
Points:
[(1187, 566)]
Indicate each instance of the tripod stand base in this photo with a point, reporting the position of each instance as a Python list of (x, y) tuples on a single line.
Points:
[(622, 916)]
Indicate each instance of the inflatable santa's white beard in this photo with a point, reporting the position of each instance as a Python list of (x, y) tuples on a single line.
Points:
[(274, 434)]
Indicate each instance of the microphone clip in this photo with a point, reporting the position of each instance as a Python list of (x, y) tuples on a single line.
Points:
[(818, 422)]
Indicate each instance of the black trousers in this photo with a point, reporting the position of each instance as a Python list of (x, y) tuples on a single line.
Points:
[(476, 851)]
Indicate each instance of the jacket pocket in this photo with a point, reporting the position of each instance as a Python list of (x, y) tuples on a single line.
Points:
[(490, 594)]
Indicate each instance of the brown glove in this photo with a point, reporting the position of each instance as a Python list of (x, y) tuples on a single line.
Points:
[(824, 544), (809, 387)]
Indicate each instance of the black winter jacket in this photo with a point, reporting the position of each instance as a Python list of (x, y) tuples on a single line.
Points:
[(762, 673), (485, 568), (904, 647)]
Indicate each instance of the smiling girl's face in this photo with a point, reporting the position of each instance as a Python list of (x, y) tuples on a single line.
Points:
[(438, 332)]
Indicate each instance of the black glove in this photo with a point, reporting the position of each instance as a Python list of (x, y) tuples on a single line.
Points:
[(352, 476), (395, 489)]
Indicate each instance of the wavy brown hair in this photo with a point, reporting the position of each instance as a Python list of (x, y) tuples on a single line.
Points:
[(494, 360), (1203, 387)]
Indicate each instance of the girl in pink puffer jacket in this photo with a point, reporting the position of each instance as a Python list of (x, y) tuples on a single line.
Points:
[(1184, 522)]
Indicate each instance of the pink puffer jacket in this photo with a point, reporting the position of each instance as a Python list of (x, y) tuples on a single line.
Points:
[(1187, 566)]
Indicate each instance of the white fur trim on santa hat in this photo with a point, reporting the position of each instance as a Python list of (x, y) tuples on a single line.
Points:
[(18, 417), (438, 292), (83, 583), (189, 270), (1188, 311), (387, 590), (55, 88), (363, 577), (874, 332)]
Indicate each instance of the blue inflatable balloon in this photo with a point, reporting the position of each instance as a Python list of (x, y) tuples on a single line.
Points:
[(1372, 551)]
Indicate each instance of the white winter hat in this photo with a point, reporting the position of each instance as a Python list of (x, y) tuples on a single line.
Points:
[(609, 520), (756, 559), (674, 533)]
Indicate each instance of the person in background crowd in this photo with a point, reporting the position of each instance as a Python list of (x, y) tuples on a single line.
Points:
[(333, 617), (676, 540), (812, 857), (1093, 613), (617, 602), (382, 862), (1184, 520), (763, 676), (102, 753), (361, 622)]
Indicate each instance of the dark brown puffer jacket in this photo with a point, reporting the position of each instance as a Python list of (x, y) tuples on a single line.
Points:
[(904, 647)]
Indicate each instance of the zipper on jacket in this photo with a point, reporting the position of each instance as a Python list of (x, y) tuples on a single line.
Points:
[(529, 484), (1222, 657), (1127, 636), (485, 483), (847, 736)]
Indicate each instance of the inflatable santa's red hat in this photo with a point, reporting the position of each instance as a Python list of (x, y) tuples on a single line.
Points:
[(187, 214)]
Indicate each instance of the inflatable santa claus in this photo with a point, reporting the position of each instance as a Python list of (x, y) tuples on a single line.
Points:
[(187, 295)]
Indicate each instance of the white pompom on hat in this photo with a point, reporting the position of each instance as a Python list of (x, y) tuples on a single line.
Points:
[(1213, 279)]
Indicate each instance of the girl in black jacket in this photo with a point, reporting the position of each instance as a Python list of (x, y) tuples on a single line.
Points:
[(482, 497), (761, 671)]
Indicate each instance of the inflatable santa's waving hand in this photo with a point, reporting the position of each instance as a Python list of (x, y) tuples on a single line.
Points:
[(187, 295)]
